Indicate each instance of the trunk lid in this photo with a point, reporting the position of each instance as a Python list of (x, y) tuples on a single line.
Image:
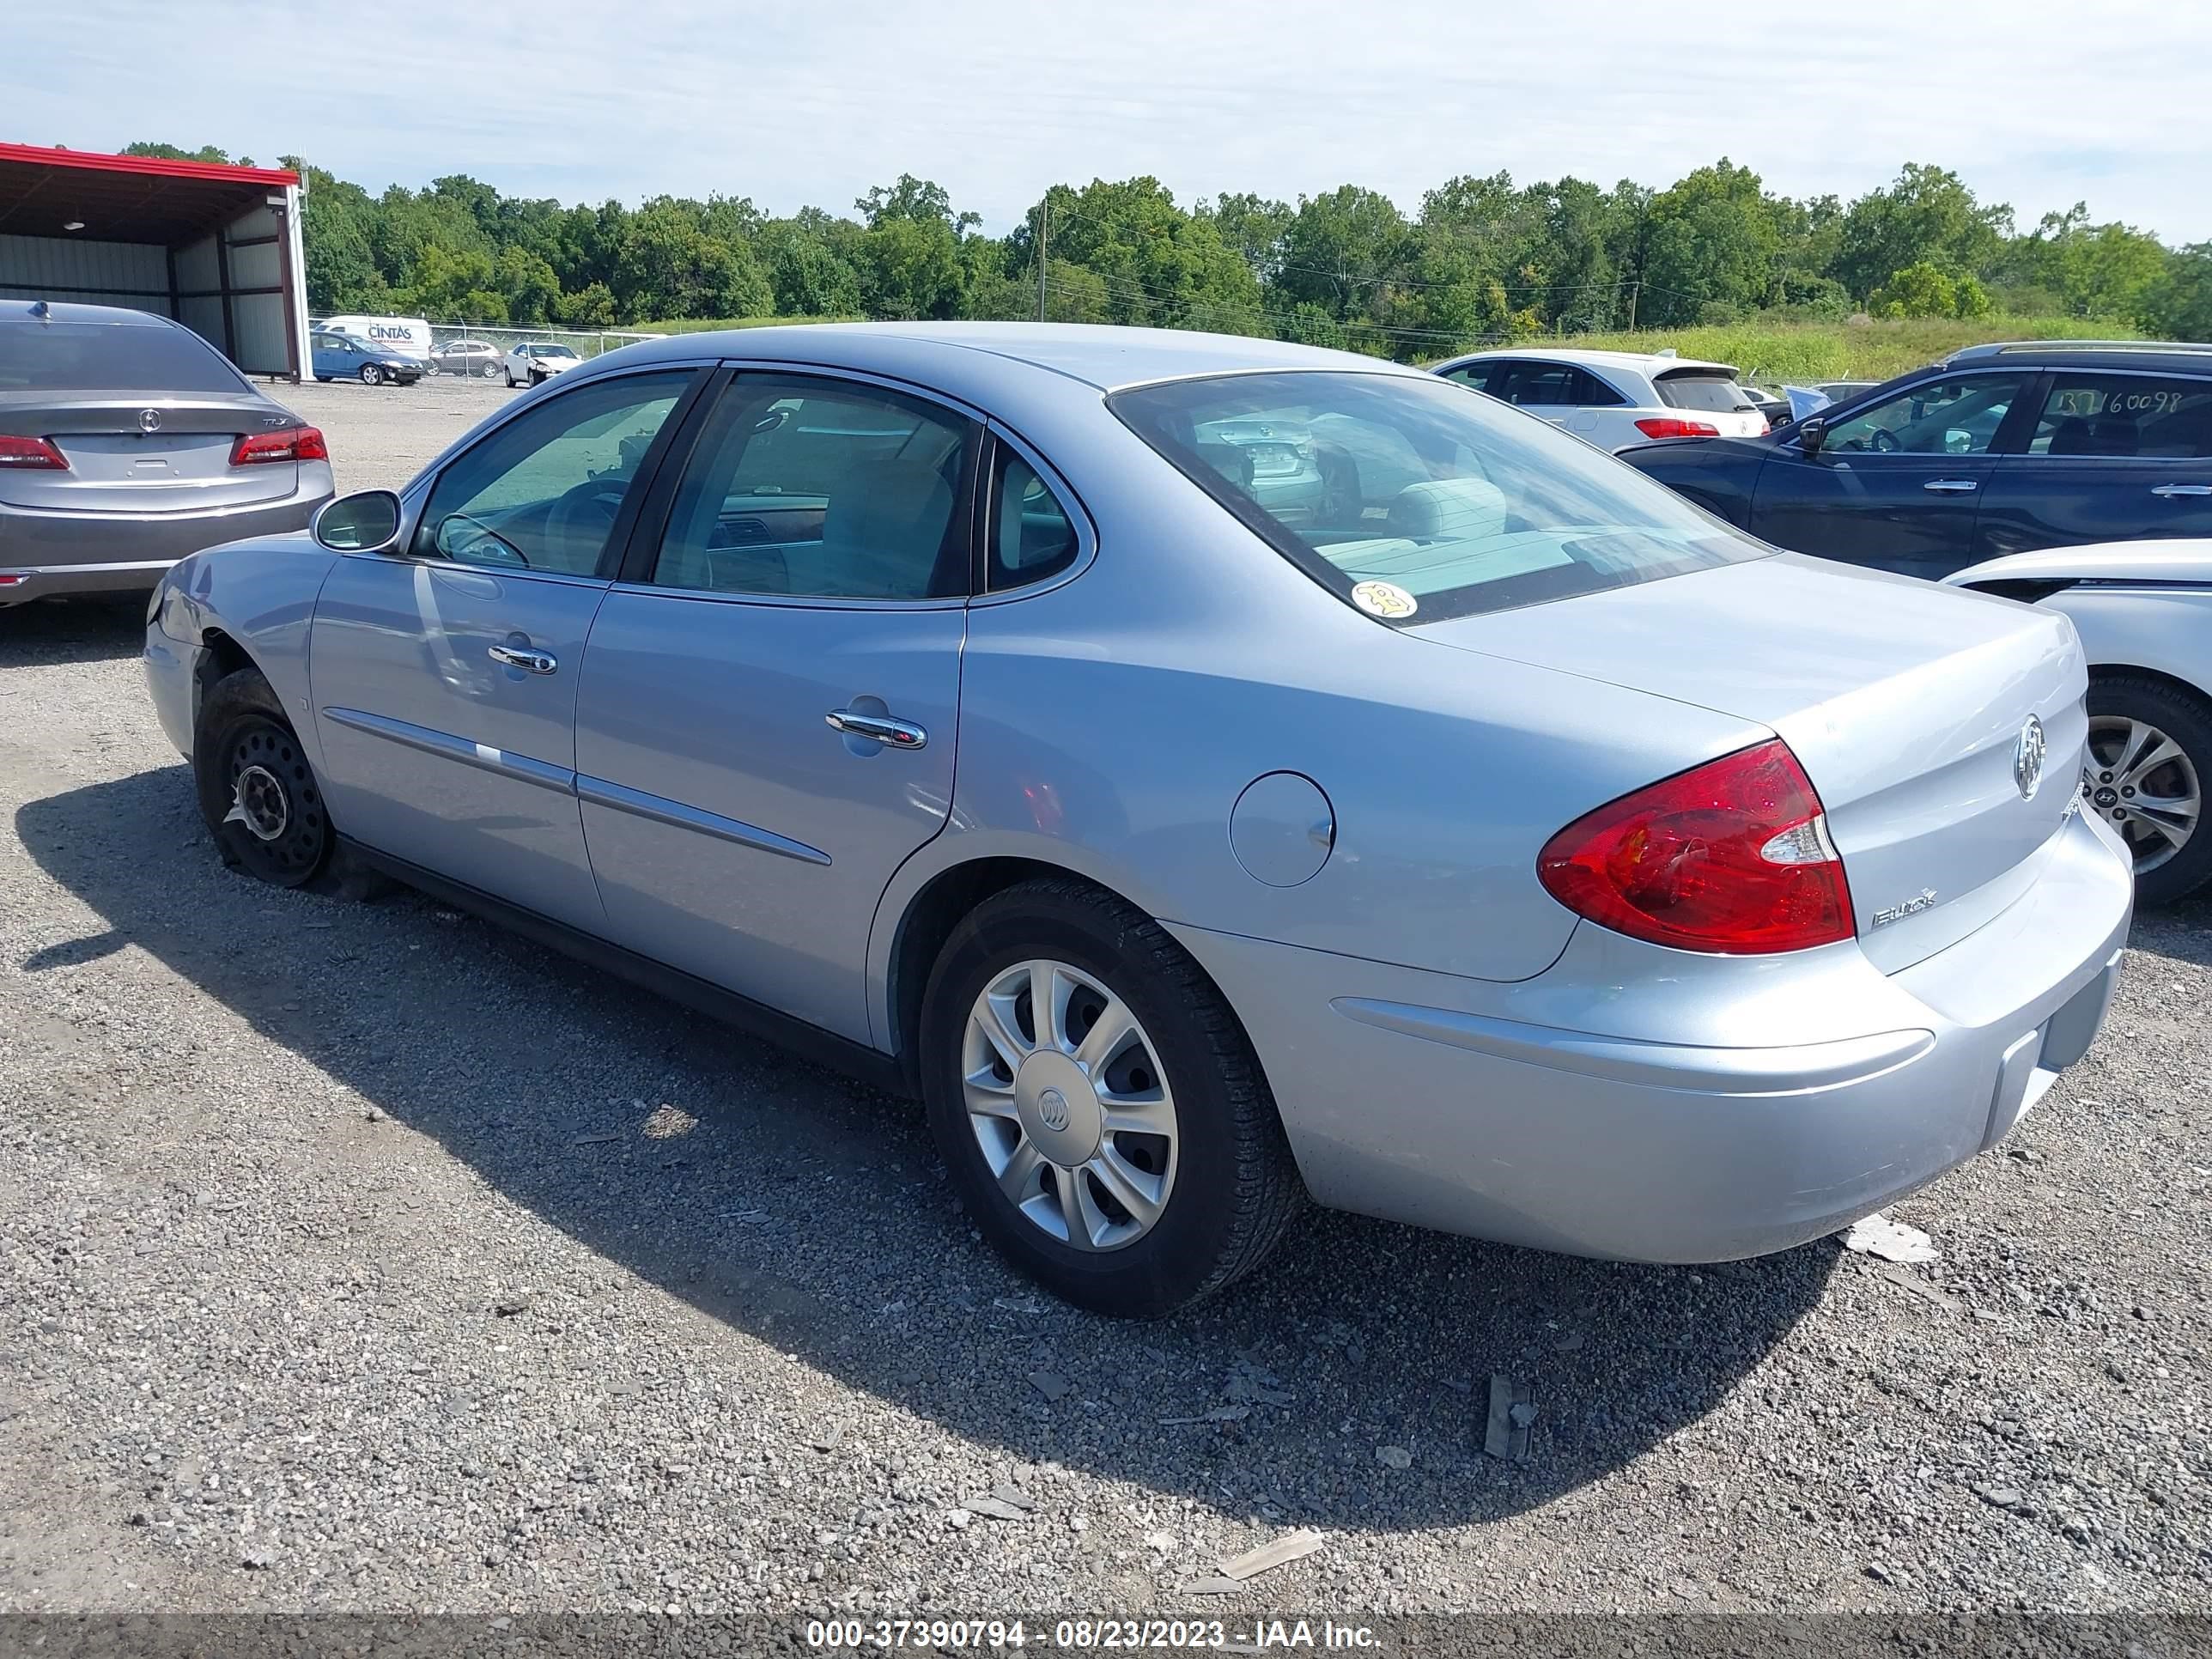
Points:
[(1904, 702), (118, 464)]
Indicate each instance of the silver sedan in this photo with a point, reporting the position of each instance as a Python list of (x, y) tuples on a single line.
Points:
[(127, 441), (1211, 774)]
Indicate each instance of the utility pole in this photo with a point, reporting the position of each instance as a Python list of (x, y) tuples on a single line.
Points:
[(1043, 243), (1633, 287)]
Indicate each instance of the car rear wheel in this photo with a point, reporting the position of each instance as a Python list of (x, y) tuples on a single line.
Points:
[(257, 791), (1099, 1107), (371, 374), (2150, 753), (510, 379)]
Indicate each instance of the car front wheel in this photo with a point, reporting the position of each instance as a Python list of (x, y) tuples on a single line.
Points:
[(257, 791), (1098, 1105), (2150, 753), (371, 374)]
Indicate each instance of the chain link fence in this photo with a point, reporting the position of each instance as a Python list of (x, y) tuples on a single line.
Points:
[(502, 339)]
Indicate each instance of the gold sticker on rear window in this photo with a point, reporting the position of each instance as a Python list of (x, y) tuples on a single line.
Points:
[(1385, 600)]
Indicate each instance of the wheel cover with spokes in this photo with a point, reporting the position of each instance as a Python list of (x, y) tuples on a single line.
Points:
[(2144, 782), (1070, 1105)]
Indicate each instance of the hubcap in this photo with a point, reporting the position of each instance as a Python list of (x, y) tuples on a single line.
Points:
[(1069, 1105), (260, 805), (2145, 783)]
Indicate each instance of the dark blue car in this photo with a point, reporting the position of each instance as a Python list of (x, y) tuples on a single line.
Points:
[(1998, 449), (342, 357)]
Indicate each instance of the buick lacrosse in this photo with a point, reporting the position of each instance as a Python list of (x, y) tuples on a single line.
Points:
[(1211, 774)]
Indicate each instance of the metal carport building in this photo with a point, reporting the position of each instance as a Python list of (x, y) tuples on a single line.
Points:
[(216, 247)]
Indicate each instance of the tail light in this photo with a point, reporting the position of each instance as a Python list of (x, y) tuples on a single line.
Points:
[(1672, 426), (1731, 857), (293, 443), (31, 452)]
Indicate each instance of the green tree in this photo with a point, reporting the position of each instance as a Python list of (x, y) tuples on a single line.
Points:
[(1920, 289), (1710, 239), (2179, 304), (668, 267), (1927, 216)]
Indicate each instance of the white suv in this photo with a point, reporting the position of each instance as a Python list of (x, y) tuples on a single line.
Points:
[(1616, 399)]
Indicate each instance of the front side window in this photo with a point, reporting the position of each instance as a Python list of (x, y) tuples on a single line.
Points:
[(803, 488), (1488, 375), (1417, 503), (2128, 416), (1958, 416), (541, 492)]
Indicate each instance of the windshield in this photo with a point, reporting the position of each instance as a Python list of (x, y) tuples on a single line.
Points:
[(144, 358), (1416, 502), (552, 351)]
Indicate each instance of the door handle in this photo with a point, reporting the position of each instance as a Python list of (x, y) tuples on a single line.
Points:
[(530, 662), (1952, 486), (2183, 489), (877, 728)]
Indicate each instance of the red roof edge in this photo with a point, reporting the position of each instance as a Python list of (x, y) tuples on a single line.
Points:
[(93, 161)]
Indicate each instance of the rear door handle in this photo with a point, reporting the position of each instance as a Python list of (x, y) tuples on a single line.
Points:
[(530, 662), (878, 728), (1952, 486), (2183, 489)]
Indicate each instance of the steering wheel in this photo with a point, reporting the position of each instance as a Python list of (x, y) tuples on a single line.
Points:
[(483, 533), (1883, 440), (587, 511)]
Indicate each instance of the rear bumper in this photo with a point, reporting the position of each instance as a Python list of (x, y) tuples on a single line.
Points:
[(1695, 1108), (44, 556)]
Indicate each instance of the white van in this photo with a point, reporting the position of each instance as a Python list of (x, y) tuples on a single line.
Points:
[(409, 337)]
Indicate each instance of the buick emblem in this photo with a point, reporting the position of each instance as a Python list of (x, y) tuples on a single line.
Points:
[(1052, 1107), (149, 419), (2027, 758)]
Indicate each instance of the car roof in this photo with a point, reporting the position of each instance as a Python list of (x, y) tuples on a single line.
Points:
[(64, 311), (2175, 356), (1097, 354), (1648, 363)]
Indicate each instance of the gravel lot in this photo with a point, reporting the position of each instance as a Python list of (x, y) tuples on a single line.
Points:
[(360, 1257)]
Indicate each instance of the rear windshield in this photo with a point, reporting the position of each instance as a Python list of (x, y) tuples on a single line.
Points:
[(1704, 389), (1416, 502), (109, 357)]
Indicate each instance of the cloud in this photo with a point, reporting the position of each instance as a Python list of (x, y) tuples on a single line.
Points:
[(2035, 104)]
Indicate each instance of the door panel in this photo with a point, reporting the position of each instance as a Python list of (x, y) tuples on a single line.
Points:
[(2112, 457), (436, 751), (1876, 510), (734, 833), (813, 560), (1898, 484), (445, 684)]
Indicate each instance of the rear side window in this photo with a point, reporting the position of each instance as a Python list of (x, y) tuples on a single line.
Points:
[(111, 357), (1719, 394), (2157, 417), (1560, 385), (1031, 536)]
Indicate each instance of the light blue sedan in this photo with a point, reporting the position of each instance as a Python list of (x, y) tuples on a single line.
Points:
[(1480, 836)]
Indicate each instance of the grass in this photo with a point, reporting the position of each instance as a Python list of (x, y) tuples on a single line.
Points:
[(1799, 353)]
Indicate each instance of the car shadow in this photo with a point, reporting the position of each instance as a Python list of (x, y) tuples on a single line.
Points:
[(72, 631), (812, 1213)]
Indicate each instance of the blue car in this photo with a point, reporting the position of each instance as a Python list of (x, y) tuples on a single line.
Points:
[(1996, 450), (1483, 839), (342, 357)]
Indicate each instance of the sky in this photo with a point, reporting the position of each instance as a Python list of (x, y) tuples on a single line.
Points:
[(2038, 104)]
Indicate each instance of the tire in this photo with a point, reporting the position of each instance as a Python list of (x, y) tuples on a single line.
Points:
[(2166, 872), (256, 793), (1225, 1186), (325, 379), (510, 378), (371, 374)]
